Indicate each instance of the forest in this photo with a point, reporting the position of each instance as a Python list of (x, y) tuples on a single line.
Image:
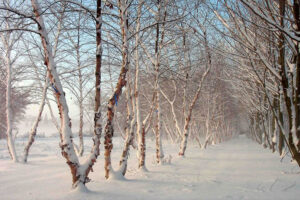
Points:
[(149, 99)]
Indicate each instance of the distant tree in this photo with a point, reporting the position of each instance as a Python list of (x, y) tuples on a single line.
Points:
[(20, 99), (13, 100)]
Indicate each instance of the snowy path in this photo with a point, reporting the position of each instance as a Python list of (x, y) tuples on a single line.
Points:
[(238, 169)]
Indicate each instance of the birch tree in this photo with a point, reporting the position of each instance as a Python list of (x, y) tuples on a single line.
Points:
[(79, 171), (123, 6), (10, 41)]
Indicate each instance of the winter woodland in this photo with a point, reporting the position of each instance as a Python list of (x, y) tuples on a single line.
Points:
[(150, 99)]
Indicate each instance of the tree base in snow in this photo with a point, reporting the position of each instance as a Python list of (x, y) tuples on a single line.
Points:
[(116, 176), (81, 188), (143, 169)]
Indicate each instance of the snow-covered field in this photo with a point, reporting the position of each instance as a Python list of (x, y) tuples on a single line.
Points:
[(237, 169)]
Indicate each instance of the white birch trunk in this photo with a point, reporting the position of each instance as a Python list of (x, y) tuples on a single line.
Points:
[(139, 125), (158, 47), (184, 140), (66, 144), (79, 172), (183, 144), (9, 117), (80, 132), (109, 129), (159, 149), (207, 127), (131, 121)]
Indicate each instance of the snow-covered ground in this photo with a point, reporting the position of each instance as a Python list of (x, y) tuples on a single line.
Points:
[(237, 169)]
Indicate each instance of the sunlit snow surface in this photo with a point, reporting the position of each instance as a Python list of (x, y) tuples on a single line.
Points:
[(237, 169)]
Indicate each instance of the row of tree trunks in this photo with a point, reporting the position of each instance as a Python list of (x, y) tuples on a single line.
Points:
[(285, 108), (285, 85)]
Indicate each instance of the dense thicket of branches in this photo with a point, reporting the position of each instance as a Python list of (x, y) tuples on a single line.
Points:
[(265, 55)]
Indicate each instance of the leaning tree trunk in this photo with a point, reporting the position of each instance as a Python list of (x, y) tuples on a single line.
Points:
[(47, 99), (131, 121), (32, 133), (109, 129), (196, 96), (66, 144)]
